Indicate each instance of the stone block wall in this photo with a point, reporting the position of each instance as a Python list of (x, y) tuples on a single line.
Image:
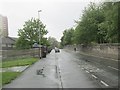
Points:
[(101, 50)]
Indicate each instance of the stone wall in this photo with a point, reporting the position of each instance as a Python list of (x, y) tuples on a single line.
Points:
[(101, 50)]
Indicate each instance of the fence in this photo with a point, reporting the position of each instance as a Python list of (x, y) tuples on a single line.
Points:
[(10, 54)]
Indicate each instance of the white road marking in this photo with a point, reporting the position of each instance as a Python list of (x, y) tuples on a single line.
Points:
[(104, 83), (91, 70), (82, 68), (87, 72), (94, 76), (113, 68), (98, 69)]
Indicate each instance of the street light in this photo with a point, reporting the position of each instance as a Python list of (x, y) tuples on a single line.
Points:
[(39, 26), (39, 33)]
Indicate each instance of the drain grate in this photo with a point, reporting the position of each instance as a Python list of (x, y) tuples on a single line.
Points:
[(40, 72)]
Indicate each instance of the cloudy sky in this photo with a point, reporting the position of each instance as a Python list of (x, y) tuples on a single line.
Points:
[(57, 15)]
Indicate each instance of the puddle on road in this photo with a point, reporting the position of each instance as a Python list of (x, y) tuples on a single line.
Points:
[(14, 69)]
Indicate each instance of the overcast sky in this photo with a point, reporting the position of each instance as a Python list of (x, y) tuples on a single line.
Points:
[(57, 15)]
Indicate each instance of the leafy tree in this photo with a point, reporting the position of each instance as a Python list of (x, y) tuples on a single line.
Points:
[(29, 34), (98, 24), (45, 41), (110, 10), (67, 38), (53, 42), (87, 29)]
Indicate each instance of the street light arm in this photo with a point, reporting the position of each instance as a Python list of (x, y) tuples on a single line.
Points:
[(39, 14), (39, 10)]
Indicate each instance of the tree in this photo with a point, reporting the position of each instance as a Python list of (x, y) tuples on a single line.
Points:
[(67, 38), (29, 34), (87, 29), (53, 42), (98, 24), (110, 10), (45, 41)]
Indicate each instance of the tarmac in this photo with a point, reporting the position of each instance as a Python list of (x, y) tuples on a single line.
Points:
[(57, 70)]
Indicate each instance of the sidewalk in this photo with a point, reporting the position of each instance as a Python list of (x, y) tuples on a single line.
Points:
[(30, 79)]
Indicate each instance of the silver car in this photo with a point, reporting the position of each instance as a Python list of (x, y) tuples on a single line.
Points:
[(57, 50)]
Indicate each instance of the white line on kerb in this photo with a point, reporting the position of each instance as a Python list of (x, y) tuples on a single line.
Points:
[(94, 76), (104, 83), (113, 68)]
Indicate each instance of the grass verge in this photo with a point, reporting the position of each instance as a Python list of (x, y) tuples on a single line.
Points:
[(7, 77), (18, 62)]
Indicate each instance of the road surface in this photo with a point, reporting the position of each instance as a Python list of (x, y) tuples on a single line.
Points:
[(64, 70)]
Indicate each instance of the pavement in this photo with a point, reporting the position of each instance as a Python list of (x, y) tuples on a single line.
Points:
[(57, 70)]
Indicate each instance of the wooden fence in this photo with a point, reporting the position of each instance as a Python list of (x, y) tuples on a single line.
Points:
[(10, 54)]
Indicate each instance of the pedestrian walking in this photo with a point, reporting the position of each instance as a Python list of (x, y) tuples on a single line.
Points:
[(74, 49)]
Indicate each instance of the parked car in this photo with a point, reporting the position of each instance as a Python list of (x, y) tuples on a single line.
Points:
[(49, 49), (57, 50), (43, 51)]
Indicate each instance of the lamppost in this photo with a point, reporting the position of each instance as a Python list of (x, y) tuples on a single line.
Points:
[(39, 26), (39, 33)]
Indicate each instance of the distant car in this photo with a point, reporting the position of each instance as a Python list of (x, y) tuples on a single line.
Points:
[(57, 50)]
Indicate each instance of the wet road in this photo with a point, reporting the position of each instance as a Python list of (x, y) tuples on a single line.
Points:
[(72, 76), (104, 70), (64, 70)]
